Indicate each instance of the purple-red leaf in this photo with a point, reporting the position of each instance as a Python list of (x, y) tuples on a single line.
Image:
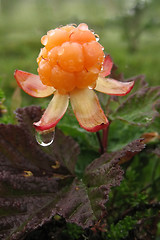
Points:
[(105, 172), (36, 183), (30, 175)]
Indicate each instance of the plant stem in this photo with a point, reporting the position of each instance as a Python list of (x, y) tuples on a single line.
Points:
[(100, 142), (105, 138)]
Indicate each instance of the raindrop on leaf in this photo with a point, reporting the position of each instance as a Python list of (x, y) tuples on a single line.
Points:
[(148, 119)]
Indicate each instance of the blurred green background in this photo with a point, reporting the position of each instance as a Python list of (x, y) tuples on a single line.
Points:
[(129, 30)]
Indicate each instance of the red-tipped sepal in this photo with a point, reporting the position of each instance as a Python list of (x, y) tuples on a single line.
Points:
[(31, 84), (87, 110), (54, 112), (113, 87), (107, 66)]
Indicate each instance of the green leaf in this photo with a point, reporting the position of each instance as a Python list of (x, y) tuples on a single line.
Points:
[(138, 109), (121, 134), (31, 176), (70, 126)]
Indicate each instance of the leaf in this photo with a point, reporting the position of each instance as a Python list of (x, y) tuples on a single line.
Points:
[(121, 134), (112, 103), (139, 82), (131, 149), (127, 152), (36, 183), (139, 108), (105, 172), (30, 176), (70, 126), (19, 148)]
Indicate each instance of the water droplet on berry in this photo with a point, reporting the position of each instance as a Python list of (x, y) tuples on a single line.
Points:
[(97, 37), (45, 138), (90, 87)]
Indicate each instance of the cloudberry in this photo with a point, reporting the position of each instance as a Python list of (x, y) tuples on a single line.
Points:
[(71, 58)]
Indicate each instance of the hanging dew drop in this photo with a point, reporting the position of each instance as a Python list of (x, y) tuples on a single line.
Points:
[(45, 138)]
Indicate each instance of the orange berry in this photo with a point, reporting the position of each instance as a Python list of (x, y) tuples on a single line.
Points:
[(62, 80), (93, 54), (70, 57), (44, 40), (82, 36), (68, 28), (86, 78), (53, 55), (56, 38), (44, 71), (42, 55), (83, 26)]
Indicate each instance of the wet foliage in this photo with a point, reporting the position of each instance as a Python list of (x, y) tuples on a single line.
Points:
[(75, 185), (37, 184)]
